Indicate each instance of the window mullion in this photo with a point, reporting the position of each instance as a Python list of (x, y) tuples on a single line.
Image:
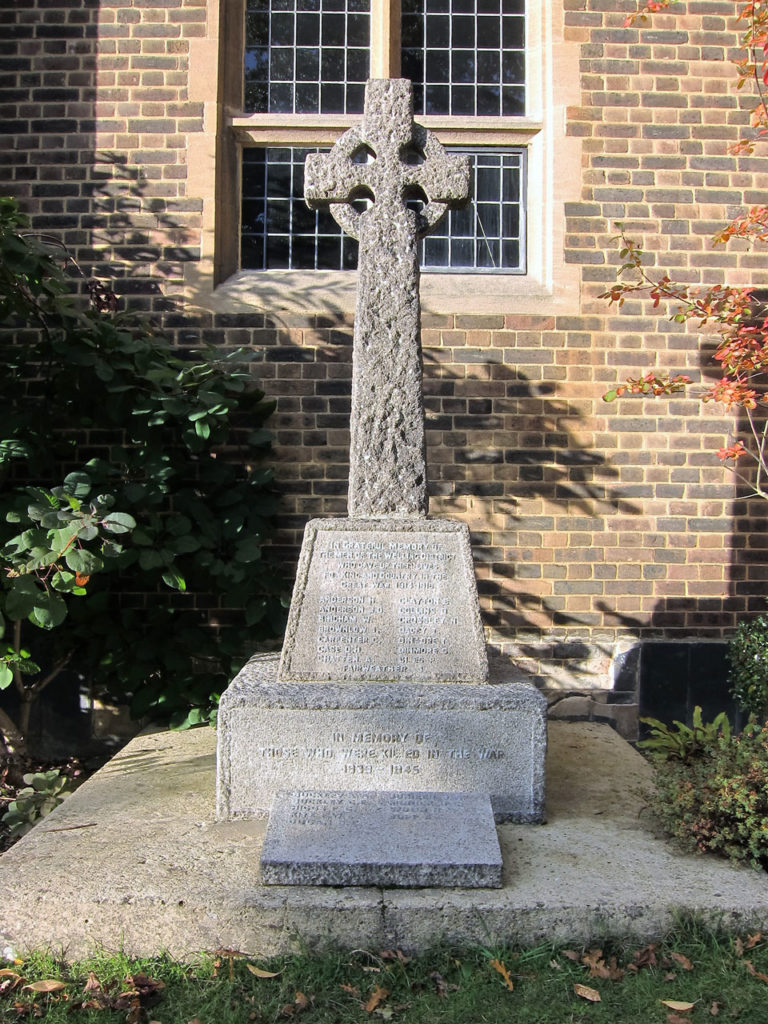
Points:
[(385, 39)]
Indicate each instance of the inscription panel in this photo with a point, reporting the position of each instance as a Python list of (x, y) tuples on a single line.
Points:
[(388, 751), (369, 838), (385, 604)]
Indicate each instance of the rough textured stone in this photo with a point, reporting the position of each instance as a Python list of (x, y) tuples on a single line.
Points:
[(390, 737), (387, 455), (391, 600), (388, 839)]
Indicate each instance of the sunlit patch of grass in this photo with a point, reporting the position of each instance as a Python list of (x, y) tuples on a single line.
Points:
[(609, 982)]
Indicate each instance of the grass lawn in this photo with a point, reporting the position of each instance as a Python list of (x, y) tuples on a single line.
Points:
[(691, 976)]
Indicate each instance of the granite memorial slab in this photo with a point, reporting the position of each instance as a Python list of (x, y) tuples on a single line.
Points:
[(385, 600), (388, 737), (337, 837)]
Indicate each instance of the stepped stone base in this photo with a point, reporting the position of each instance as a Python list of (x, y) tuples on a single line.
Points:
[(384, 737), (332, 837)]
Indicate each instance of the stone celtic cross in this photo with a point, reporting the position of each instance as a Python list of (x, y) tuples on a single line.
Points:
[(387, 159)]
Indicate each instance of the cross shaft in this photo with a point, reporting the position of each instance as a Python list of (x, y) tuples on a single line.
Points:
[(387, 446)]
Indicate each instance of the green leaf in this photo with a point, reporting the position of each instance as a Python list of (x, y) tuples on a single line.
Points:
[(185, 545), (6, 676), (118, 522), (174, 580), (249, 550), (21, 598), (135, 492), (50, 611), (610, 396), (151, 559), (83, 561), (78, 484)]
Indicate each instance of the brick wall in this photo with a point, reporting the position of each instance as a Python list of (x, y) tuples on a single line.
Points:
[(593, 525)]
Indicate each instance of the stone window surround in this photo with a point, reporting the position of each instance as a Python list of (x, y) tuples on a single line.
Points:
[(554, 170)]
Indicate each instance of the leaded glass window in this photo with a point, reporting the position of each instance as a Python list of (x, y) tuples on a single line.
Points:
[(306, 56), (465, 57), (279, 231)]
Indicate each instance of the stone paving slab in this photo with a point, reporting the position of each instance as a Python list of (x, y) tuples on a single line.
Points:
[(135, 860), (338, 837)]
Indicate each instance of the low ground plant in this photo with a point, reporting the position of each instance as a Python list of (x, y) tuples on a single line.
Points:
[(693, 975), (711, 787)]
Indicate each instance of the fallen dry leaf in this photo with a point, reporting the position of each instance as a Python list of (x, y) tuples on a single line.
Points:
[(499, 965), (755, 973), (590, 994), (93, 984), (670, 976), (571, 954), (440, 986), (385, 1012), (752, 940), (714, 1009), (8, 981), (299, 1004), (598, 967), (397, 954), (378, 995), (675, 1018), (645, 957), (195, 1020), (257, 971), (555, 965), (682, 961), (352, 989), (677, 1004), (49, 985), (738, 946)]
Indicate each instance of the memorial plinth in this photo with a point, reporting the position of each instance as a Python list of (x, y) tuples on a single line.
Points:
[(388, 737), (379, 720)]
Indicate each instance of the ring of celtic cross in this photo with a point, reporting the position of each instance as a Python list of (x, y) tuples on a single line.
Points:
[(423, 141)]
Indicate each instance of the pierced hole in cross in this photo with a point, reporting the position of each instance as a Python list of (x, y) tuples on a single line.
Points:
[(411, 155), (363, 155), (361, 198), (415, 198)]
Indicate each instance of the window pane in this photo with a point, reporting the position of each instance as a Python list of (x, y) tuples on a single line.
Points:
[(315, 41), (473, 48), (280, 232)]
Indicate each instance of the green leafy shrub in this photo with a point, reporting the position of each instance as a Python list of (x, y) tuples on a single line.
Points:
[(43, 792), (748, 658), (175, 441), (716, 799)]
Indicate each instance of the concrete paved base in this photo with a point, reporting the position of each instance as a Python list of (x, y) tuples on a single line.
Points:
[(135, 861)]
